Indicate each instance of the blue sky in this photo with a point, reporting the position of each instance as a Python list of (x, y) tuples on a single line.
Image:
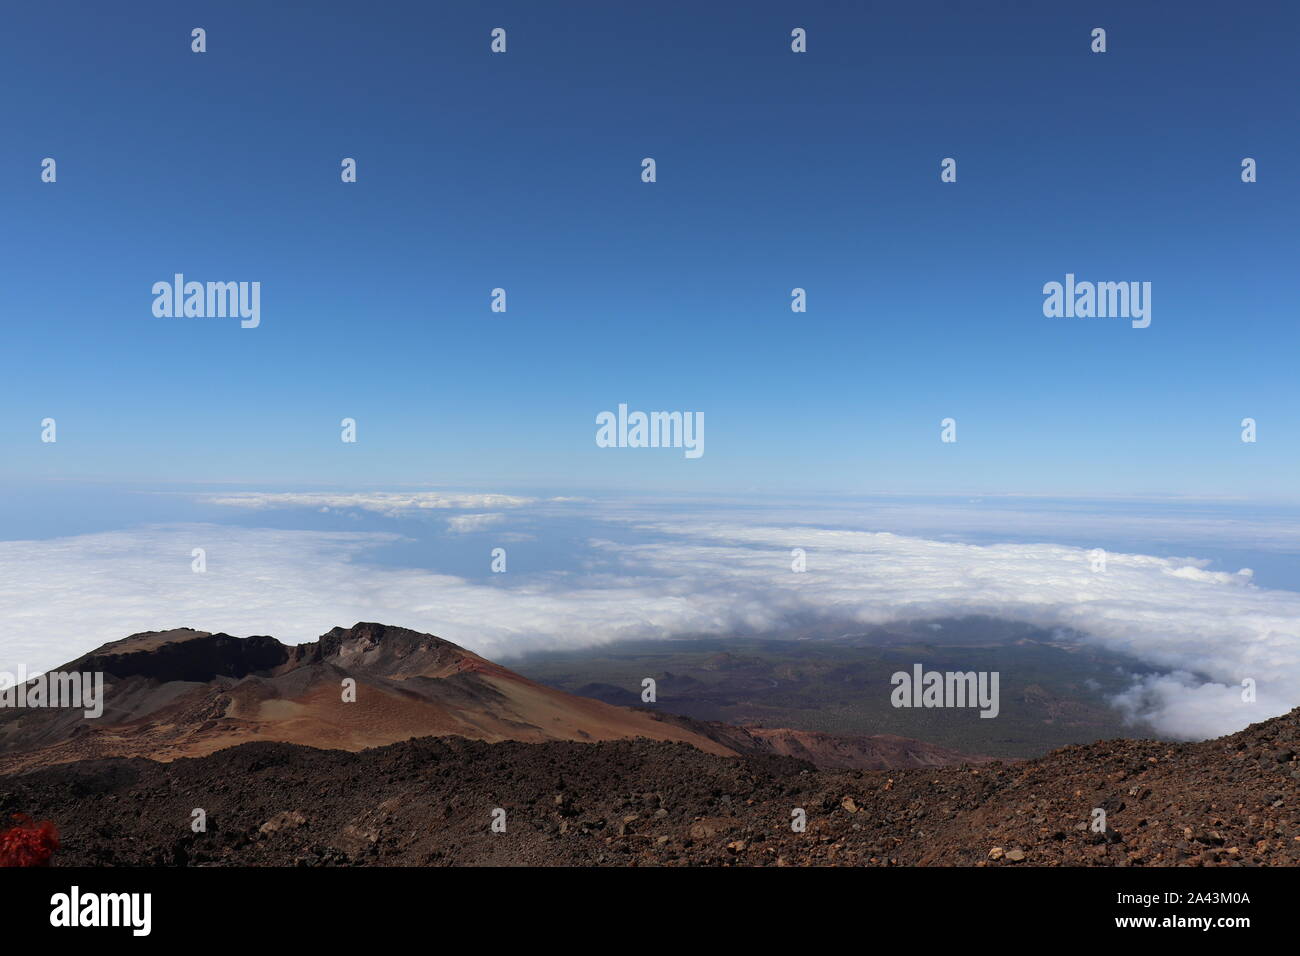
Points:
[(775, 170)]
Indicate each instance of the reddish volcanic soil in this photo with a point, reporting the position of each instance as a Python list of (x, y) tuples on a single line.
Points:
[(186, 693), (1232, 801)]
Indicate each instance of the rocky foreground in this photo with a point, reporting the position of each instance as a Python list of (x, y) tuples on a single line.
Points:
[(1234, 801)]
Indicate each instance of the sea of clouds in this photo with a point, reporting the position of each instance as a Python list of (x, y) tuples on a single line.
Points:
[(676, 570)]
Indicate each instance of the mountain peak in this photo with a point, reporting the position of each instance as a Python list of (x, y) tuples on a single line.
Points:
[(394, 652)]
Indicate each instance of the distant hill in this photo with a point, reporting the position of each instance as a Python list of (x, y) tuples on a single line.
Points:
[(1056, 688)]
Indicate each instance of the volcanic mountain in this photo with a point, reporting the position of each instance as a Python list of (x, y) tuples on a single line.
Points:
[(185, 693), (188, 693)]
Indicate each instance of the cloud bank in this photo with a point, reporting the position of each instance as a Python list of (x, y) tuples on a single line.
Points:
[(1206, 630), (388, 504), (468, 524)]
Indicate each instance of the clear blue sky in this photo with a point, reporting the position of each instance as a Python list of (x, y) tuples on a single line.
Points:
[(775, 170)]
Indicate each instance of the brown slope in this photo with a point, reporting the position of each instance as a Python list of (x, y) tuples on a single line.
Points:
[(828, 751), (850, 752), (185, 693)]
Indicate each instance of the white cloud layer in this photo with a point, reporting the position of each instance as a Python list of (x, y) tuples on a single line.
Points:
[(389, 504), (466, 524), (62, 597)]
